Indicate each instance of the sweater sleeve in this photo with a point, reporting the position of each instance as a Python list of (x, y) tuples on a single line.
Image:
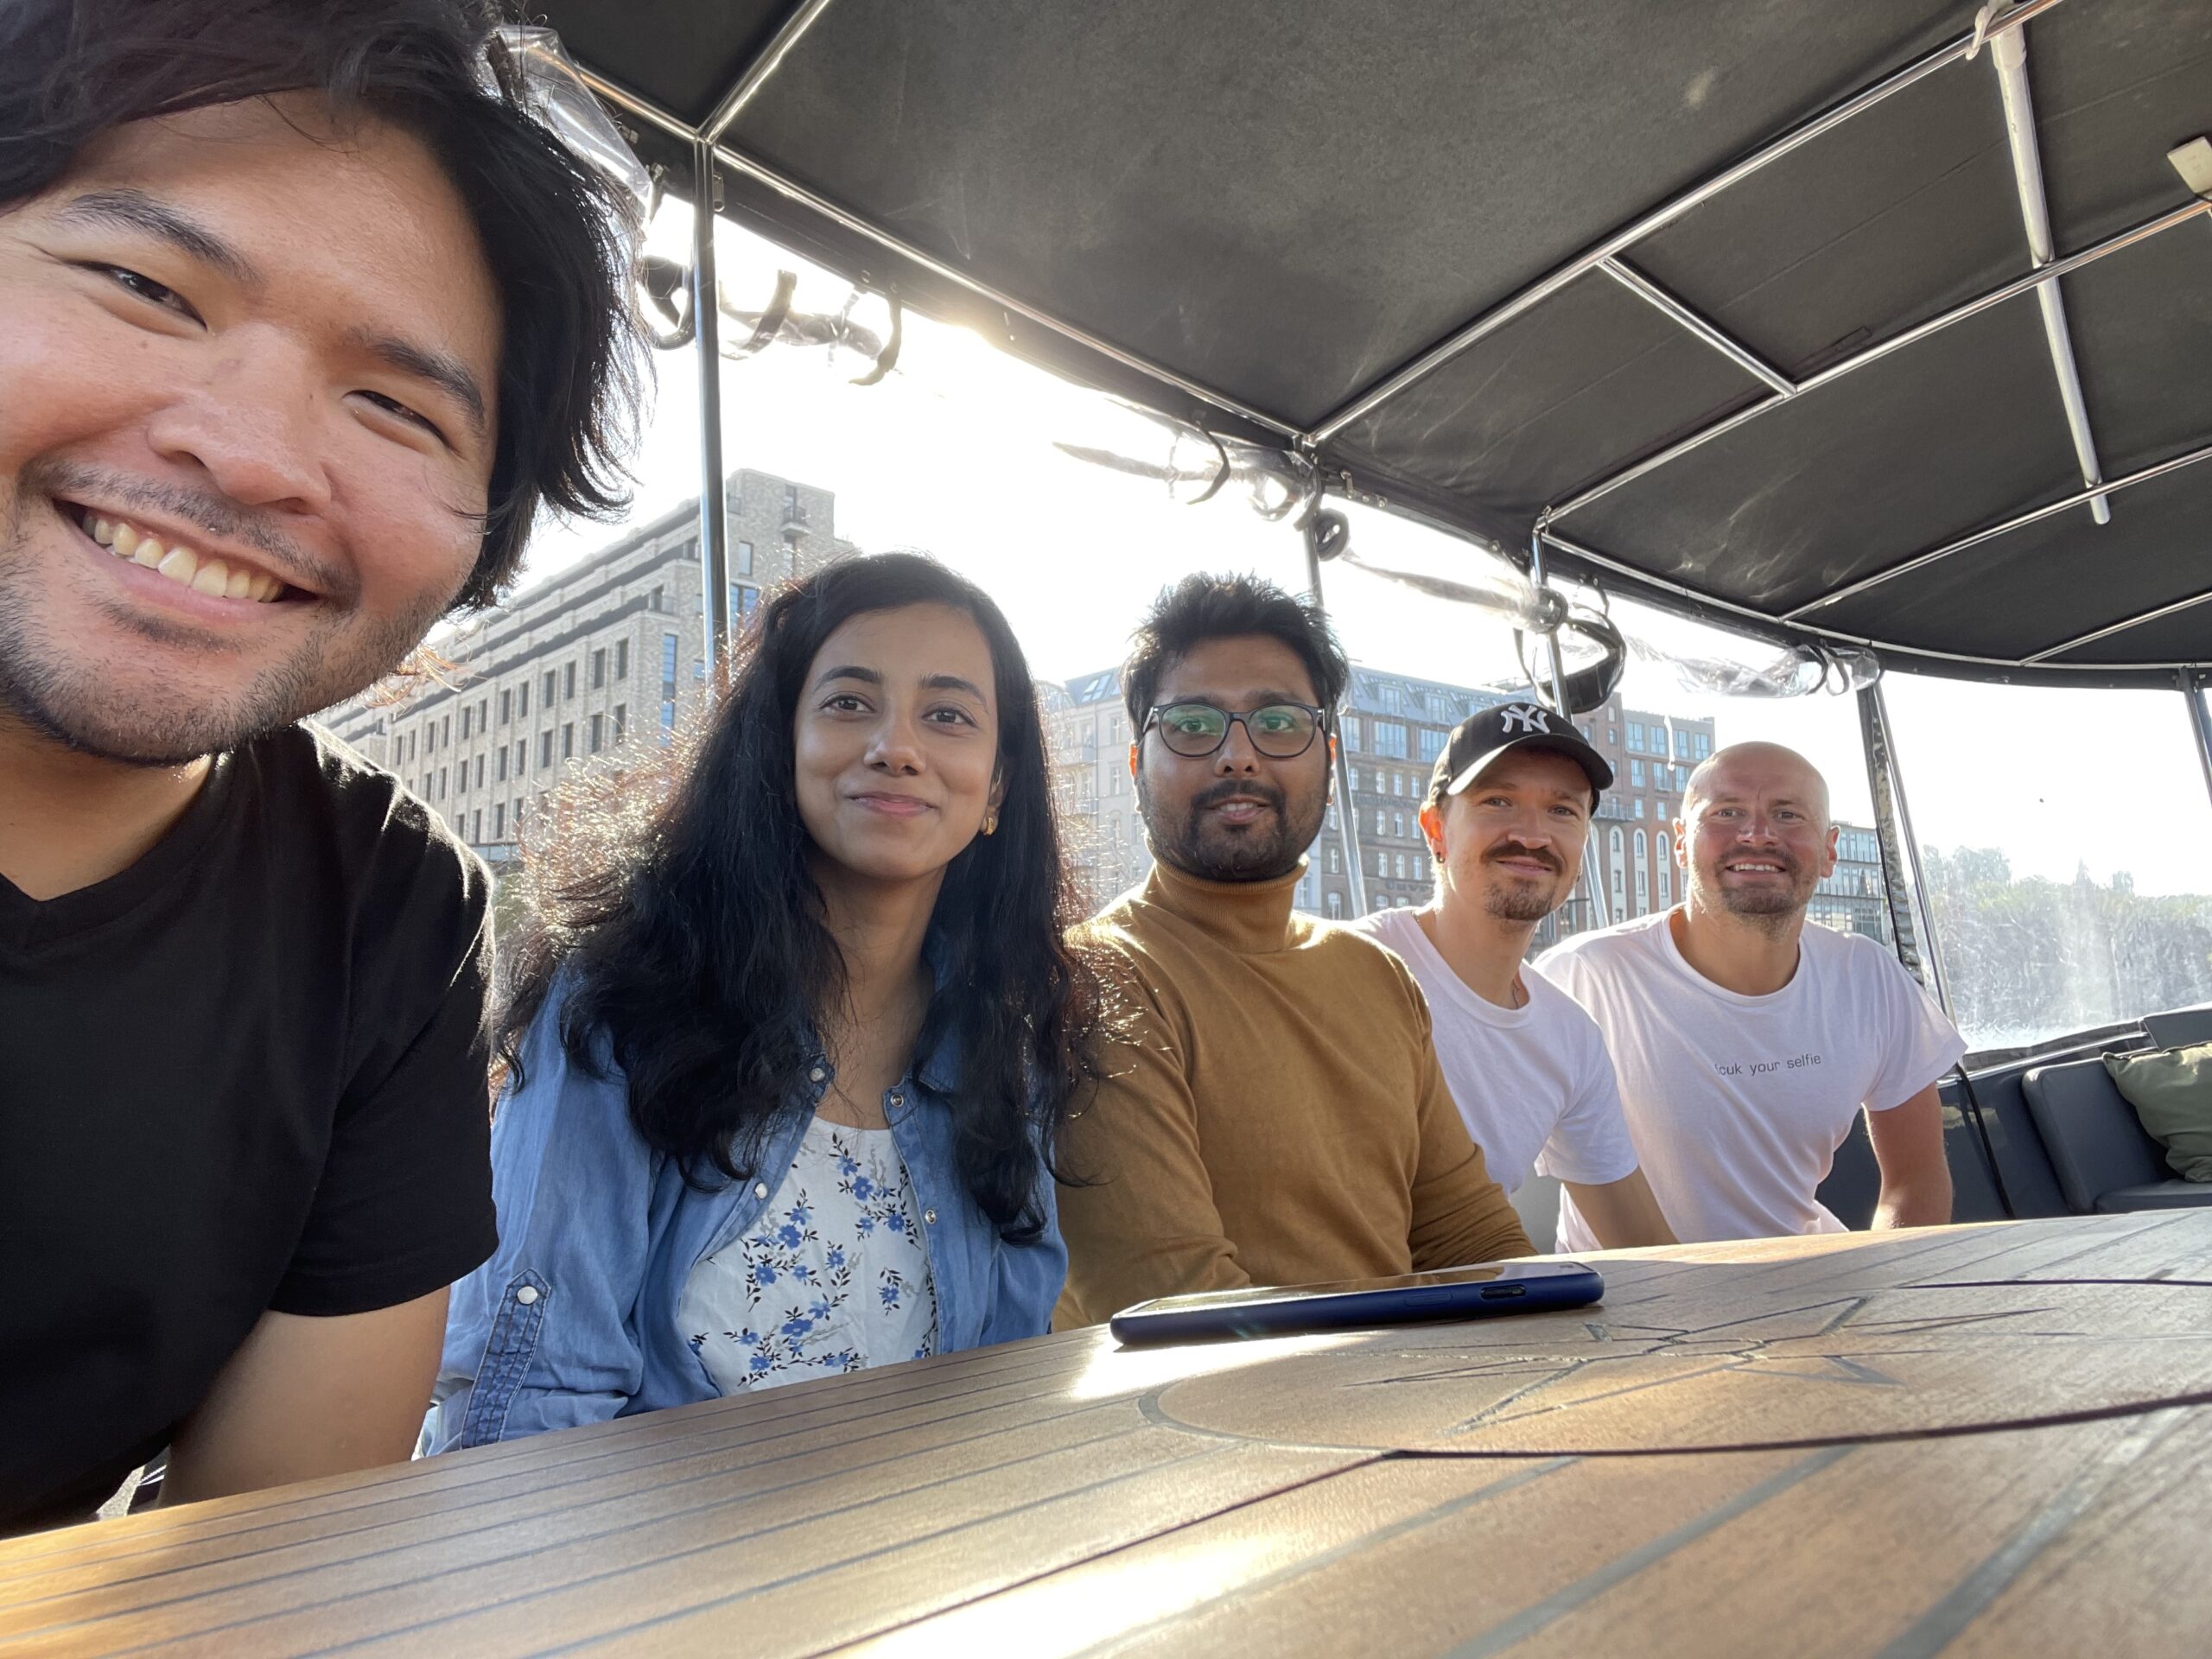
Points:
[(1460, 1215), (1141, 1222)]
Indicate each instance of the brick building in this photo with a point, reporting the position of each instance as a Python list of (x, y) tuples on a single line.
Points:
[(607, 652)]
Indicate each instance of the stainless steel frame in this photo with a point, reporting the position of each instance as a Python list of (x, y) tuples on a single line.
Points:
[(1347, 813), (1875, 354), (757, 72), (2095, 492), (706, 316), (2122, 626), (1900, 851), (2200, 722), (1600, 912), (624, 99), (1771, 627), (1857, 103), (2010, 56), (1665, 303)]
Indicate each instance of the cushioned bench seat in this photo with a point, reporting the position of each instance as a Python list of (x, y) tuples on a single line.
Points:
[(2104, 1160)]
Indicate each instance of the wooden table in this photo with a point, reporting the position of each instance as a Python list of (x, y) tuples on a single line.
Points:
[(1981, 1440)]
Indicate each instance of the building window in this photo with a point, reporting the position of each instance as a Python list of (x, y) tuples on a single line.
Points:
[(1398, 824), (1397, 782), (445, 733), (1617, 844), (476, 826), (499, 771), (621, 719), (479, 772), (1348, 727), (1642, 875), (544, 750), (464, 725), (484, 713), (621, 660), (1335, 864), (1391, 739), (522, 755), (568, 681), (1665, 862), (442, 783), (1401, 867), (1639, 806), (568, 738), (1336, 906), (549, 688), (1635, 768), (522, 701), (462, 782), (1635, 737), (507, 706), (498, 821), (1382, 823), (599, 668), (745, 558)]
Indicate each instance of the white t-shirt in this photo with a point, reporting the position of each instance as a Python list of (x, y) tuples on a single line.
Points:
[(1533, 1084), (1738, 1103)]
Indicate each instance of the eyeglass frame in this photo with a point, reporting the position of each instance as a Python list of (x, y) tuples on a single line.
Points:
[(1324, 722)]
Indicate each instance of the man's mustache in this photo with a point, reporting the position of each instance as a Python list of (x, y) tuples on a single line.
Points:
[(1230, 789), (1499, 854)]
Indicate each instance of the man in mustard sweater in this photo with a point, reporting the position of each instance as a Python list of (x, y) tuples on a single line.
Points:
[(1272, 1111)]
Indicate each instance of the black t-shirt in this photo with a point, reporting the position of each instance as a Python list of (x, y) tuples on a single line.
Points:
[(246, 1073)]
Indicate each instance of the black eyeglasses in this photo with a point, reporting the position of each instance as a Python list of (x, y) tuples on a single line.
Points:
[(1281, 731)]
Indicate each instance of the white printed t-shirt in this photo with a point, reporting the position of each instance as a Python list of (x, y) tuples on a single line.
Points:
[(1533, 1084), (1738, 1103)]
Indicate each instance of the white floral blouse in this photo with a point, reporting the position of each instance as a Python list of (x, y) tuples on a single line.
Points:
[(835, 1276)]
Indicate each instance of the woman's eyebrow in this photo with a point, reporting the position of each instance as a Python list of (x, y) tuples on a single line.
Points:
[(134, 210), (952, 683)]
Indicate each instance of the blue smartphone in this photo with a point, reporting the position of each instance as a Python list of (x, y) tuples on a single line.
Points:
[(1482, 1291)]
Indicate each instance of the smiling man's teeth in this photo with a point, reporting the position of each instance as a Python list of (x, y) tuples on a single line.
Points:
[(211, 576)]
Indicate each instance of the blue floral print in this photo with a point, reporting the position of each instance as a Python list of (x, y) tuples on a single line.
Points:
[(833, 1277)]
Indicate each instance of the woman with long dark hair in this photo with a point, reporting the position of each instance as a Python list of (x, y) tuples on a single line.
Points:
[(788, 1051)]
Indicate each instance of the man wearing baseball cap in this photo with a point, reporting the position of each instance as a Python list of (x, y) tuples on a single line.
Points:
[(1507, 815)]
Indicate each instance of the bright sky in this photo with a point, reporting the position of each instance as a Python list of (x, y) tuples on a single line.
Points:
[(953, 453)]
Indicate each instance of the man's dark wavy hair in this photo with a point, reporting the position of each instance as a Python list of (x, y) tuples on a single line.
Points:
[(1202, 607), (688, 942), (72, 70)]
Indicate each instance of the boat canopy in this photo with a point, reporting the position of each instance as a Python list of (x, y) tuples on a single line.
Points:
[(1887, 324)]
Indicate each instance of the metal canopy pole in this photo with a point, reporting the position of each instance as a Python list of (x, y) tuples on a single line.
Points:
[(1900, 849), (2093, 493), (1600, 913), (706, 317), (2010, 53), (1347, 829), (1874, 353), (2200, 719), (757, 72), (1667, 212), (1721, 341)]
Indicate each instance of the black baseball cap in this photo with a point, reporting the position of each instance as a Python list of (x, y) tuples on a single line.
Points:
[(1481, 738)]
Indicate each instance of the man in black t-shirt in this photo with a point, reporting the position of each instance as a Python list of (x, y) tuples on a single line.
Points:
[(299, 326)]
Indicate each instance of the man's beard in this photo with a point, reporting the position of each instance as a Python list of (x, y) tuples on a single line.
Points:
[(1221, 854), (1767, 907), (1515, 899), (73, 699)]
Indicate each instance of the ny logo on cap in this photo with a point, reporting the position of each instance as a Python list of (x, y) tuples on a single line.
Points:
[(1526, 716)]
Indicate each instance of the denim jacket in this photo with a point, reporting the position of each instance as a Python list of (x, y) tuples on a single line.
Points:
[(574, 1318)]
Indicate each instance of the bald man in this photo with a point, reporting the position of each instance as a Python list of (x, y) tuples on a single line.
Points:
[(1745, 1042)]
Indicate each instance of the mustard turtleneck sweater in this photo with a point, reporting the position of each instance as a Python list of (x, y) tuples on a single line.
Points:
[(1272, 1114)]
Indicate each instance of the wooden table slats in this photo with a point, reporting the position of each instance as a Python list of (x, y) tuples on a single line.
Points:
[(1981, 1440)]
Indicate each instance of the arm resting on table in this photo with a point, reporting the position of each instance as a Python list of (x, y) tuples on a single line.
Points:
[(304, 1397), (1908, 1142), (1623, 1214)]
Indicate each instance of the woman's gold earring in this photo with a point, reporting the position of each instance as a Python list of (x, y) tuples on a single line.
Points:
[(991, 823)]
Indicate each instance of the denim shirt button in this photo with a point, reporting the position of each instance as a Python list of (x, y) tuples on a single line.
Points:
[(526, 1295), (817, 1075), (928, 1218), (760, 1189), (897, 1100)]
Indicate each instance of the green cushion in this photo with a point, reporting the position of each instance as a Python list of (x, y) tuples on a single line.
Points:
[(2171, 1092)]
